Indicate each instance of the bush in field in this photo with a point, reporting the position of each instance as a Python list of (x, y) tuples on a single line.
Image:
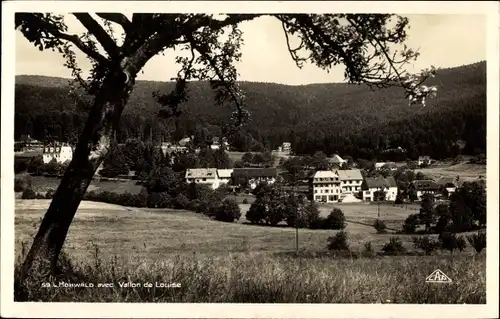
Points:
[(49, 194), (39, 196), (338, 242), (245, 201), (425, 243), (380, 226), (181, 202), (335, 220), (393, 247), (159, 200), (52, 167), (227, 211), (478, 241), (368, 249), (36, 166), (20, 184), (28, 193), (410, 224), (450, 241)]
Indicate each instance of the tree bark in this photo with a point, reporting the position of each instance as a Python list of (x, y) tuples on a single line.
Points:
[(89, 153)]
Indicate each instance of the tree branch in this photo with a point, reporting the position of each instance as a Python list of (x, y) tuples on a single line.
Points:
[(97, 31), (117, 18)]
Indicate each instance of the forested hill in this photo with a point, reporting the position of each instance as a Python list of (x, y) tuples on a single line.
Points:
[(333, 117)]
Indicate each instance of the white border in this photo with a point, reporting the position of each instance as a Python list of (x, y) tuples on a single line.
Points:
[(82, 310)]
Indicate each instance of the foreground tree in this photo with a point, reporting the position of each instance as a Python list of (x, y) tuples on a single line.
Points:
[(363, 43)]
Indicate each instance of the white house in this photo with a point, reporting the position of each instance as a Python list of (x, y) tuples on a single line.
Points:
[(286, 147), (207, 176), (373, 184), (424, 160), (326, 187), (351, 180), (421, 187), (224, 176), (60, 152)]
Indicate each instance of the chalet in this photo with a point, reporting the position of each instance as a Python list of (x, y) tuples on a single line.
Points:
[(336, 161), (59, 152), (421, 187), (448, 185), (206, 176), (351, 180), (224, 175), (326, 187), (254, 176), (424, 160), (374, 184)]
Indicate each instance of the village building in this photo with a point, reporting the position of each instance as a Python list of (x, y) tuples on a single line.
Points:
[(390, 166), (27, 143), (371, 185), (59, 152), (421, 187), (254, 176), (351, 180), (286, 147), (224, 176), (336, 161), (326, 187), (204, 176), (448, 185), (424, 160)]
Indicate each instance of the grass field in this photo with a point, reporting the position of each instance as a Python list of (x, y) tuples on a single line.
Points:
[(467, 172), (234, 262), (43, 184)]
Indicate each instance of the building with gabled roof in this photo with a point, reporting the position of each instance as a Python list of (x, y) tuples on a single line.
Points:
[(373, 184), (350, 181), (423, 186), (254, 176), (224, 175), (207, 176), (326, 187), (59, 152)]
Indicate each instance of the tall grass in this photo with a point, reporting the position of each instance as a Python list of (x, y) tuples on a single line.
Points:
[(266, 278)]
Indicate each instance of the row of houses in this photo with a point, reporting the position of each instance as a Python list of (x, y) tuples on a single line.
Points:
[(215, 178)]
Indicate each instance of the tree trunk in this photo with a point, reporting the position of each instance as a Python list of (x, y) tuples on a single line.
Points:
[(90, 151)]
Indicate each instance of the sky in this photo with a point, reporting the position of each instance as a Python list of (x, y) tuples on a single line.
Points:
[(443, 40)]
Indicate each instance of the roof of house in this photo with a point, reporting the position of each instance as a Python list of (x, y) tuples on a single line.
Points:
[(448, 181), (224, 173), (390, 165), (350, 174), (336, 159), (425, 185), (423, 158), (201, 173), (255, 172), (322, 174), (380, 182)]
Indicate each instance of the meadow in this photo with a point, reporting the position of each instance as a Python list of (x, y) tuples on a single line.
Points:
[(467, 172), (236, 262)]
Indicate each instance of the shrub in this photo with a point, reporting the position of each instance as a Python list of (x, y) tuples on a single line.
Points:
[(228, 211), (399, 199), (410, 224), (159, 200), (28, 193), (450, 241), (393, 247), (49, 194), (39, 196), (20, 184), (338, 242), (380, 226), (335, 220), (368, 249), (478, 241), (181, 201), (245, 201), (425, 243)]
